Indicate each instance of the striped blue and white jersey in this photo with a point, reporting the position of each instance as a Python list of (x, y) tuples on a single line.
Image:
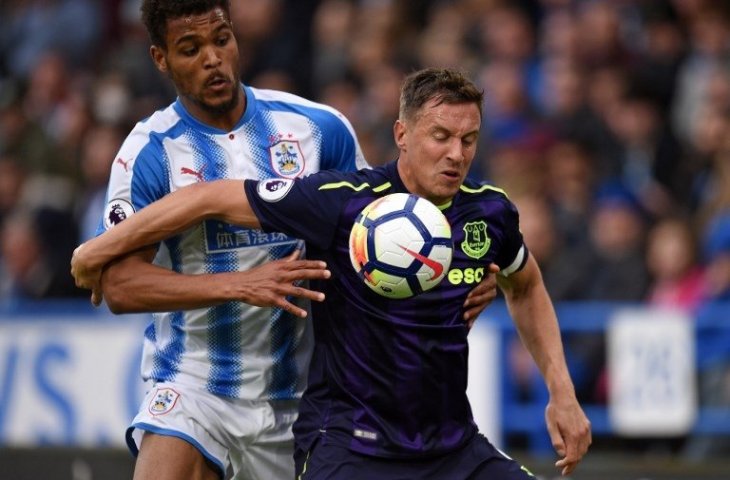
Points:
[(234, 349)]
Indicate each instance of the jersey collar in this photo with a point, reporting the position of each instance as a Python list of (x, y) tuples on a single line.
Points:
[(251, 106)]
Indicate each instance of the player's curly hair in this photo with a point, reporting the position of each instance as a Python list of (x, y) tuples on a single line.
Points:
[(442, 84), (156, 13)]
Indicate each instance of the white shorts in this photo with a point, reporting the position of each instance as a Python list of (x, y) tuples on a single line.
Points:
[(247, 440)]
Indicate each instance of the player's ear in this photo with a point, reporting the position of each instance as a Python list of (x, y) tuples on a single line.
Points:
[(158, 56), (399, 133)]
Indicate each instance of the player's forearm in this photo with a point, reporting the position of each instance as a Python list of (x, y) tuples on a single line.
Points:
[(149, 288), (534, 316), (172, 214), (537, 324)]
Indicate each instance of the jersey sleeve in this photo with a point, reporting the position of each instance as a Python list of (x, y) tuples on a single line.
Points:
[(137, 178), (513, 256), (298, 208)]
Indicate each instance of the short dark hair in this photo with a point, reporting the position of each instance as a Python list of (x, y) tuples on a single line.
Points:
[(442, 84), (156, 13)]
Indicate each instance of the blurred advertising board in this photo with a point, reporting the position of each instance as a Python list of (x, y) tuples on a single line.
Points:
[(69, 380), (75, 381), (651, 367)]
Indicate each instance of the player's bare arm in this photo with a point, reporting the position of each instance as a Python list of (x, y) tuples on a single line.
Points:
[(223, 199), (172, 214), (534, 315), (132, 284)]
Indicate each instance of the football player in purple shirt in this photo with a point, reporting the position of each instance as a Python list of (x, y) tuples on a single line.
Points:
[(386, 395)]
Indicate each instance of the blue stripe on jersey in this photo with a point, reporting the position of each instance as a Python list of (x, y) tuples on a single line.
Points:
[(283, 344), (224, 337), (262, 127), (224, 334), (149, 332), (167, 359)]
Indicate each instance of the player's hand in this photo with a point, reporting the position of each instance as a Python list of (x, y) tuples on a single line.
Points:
[(481, 296), (570, 432), (85, 276), (270, 284)]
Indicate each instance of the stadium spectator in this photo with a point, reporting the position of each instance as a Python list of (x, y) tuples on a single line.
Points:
[(35, 245), (677, 278), (31, 29), (100, 146)]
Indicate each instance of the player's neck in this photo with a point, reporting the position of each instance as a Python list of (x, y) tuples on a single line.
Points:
[(225, 118)]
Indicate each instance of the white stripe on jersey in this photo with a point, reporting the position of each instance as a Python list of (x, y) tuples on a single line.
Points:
[(234, 349)]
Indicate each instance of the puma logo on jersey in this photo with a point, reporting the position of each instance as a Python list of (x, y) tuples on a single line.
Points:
[(195, 173), (123, 163)]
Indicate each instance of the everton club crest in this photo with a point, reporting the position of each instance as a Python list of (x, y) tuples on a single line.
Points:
[(476, 242), (286, 158)]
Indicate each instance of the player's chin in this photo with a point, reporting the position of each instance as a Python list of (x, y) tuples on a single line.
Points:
[(448, 186), (219, 103)]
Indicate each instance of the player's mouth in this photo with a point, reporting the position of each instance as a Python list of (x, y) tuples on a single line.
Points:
[(217, 83), (451, 175)]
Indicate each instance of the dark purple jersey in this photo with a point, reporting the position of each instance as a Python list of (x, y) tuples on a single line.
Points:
[(387, 377)]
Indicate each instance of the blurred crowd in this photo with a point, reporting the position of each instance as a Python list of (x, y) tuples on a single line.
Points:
[(606, 121)]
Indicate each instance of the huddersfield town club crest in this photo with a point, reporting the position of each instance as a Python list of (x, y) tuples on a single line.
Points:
[(476, 242), (163, 401), (286, 158)]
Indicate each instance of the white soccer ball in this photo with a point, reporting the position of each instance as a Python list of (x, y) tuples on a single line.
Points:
[(400, 245)]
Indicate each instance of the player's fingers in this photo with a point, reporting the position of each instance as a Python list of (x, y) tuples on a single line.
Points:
[(295, 255), (308, 265), (96, 297), (302, 292), (470, 318), (556, 438), (470, 315), (566, 467), (291, 308), (308, 274), (569, 457)]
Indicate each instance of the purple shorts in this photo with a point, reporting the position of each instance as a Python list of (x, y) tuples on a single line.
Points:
[(477, 460)]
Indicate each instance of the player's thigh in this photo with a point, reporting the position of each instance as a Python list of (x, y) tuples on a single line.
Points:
[(171, 458)]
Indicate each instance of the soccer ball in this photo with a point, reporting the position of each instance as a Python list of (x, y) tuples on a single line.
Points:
[(400, 245)]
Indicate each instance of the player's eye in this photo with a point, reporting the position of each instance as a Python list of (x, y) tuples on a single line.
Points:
[(469, 140), (189, 51)]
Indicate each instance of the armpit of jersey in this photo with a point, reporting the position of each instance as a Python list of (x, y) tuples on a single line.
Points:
[(274, 189)]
